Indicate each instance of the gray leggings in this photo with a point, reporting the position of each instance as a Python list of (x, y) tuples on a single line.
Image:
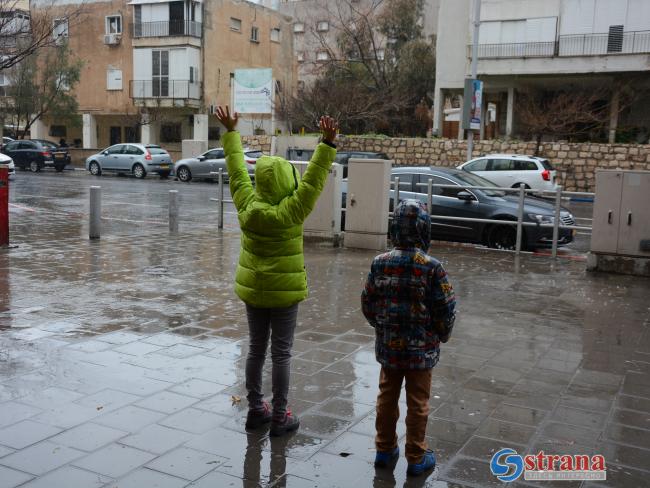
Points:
[(279, 324)]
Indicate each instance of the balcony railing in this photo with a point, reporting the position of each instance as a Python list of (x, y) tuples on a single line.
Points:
[(167, 29), (632, 42), (164, 88)]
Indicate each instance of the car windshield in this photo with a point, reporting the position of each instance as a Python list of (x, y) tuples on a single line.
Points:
[(473, 180), (254, 154), (48, 144), (547, 165)]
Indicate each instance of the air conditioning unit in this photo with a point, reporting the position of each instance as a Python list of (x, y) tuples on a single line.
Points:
[(112, 39)]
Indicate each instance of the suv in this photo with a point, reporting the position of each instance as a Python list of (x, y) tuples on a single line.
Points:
[(510, 170), (342, 157), (30, 154), (138, 159)]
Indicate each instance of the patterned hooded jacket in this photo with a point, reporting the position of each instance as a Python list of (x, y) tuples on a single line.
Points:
[(407, 297)]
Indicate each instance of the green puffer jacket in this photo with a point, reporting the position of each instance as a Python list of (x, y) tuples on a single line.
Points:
[(271, 270)]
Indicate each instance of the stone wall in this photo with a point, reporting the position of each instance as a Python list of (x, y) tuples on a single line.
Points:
[(261, 143), (576, 162)]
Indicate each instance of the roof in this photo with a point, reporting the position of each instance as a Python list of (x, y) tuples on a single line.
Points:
[(425, 169), (513, 156)]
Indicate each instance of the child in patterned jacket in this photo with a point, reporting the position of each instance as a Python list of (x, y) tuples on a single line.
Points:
[(410, 303)]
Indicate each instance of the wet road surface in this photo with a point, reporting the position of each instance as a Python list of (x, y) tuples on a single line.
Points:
[(122, 360)]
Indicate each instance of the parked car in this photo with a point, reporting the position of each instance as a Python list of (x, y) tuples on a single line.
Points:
[(510, 170), (138, 159), (342, 157), (5, 140), (209, 162), (483, 204), (4, 159), (32, 155), (60, 154)]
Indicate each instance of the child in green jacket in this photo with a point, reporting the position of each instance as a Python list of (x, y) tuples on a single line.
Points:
[(270, 277)]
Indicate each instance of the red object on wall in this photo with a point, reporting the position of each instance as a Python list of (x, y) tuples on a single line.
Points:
[(4, 206)]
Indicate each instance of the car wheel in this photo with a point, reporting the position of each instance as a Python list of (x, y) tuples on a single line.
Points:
[(138, 171), (516, 185), (34, 167), (503, 237), (94, 169), (184, 174)]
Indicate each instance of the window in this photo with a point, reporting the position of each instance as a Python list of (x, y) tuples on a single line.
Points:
[(445, 192), (615, 39), (301, 57), (191, 74), (215, 154), (160, 73), (235, 24), (12, 146), (59, 28), (58, 131), (27, 145), (480, 165), (275, 35), (113, 79), (214, 133), (170, 133), (129, 149), (130, 134), (323, 26), (299, 27), (501, 165), (114, 24), (115, 149), (405, 181), (255, 34), (322, 56), (525, 166)]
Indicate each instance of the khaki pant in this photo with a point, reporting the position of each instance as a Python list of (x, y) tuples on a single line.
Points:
[(418, 390)]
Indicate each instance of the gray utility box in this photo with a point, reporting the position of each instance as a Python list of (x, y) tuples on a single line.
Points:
[(620, 240)]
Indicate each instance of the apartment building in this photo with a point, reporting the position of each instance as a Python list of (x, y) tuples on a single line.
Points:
[(528, 45), (317, 25), (155, 69)]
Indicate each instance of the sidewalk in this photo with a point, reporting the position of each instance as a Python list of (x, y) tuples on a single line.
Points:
[(121, 365)]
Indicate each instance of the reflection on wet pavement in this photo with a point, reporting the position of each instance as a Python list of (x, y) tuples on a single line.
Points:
[(121, 361)]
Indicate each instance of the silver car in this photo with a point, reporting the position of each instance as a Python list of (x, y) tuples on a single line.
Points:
[(209, 163), (138, 159)]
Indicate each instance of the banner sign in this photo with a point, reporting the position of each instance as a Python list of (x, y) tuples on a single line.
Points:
[(472, 104), (253, 90)]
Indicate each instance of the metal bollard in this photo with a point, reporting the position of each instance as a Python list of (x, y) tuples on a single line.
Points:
[(396, 203), (556, 221), (173, 211), (520, 217), (95, 227), (430, 196), (220, 198)]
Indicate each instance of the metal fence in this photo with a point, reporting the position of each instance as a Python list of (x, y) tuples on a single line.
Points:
[(516, 50), (163, 87), (167, 28)]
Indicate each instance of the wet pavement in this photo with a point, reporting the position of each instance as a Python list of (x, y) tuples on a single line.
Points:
[(121, 361)]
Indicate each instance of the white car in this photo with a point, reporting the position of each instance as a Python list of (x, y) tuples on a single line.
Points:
[(4, 159), (510, 170)]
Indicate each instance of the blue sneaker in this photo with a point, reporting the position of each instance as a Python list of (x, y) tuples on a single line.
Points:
[(386, 458), (427, 464)]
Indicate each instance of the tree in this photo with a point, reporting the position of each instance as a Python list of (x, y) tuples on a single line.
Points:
[(378, 68), (42, 84), (25, 31)]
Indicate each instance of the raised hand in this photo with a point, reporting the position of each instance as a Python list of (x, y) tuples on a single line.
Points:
[(224, 117), (328, 127)]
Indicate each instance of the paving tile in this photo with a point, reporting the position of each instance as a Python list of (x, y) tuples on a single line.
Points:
[(88, 437), (329, 470), (359, 446), (114, 460), (107, 400), (583, 418), (186, 463), (166, 402), (5, 451), (41, 458), (483, 448), (26, 433), (297, 446), (193, 420), (223, 404), (51, 397), (150, 479), (130, 418), (519, 415), (10, 478), (180, 351), (138, 348), (624, 455), (91, 345), (69, 477), (214, 479), (630, 418), (165, 339), (505, 431), (323, 426), (120, 337), (13, 412), (628, 435), (222, 442), (198, 388), (67, 415), (157, 439), (345, 408), (470, 471)]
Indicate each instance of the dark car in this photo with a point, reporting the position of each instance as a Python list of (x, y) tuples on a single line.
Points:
[(481, 204), (60, 154), (31, 154), (342, 157)]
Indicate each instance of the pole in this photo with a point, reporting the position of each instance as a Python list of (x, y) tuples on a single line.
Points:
[(556, 221), (173, 211), (4, 205), (221, 198), (396, 202), (95, 228), (477, 25), (520, 217), (430, 196)]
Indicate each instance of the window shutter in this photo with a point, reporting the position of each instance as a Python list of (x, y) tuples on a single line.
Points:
[(615, 39)]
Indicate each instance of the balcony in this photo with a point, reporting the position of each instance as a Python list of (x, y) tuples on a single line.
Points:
[(632, 42), (170, 28), (164, 89), (515, 50)]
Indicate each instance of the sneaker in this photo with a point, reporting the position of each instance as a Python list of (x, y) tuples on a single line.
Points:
[(259, 416), (383, 459), (288, 424), (427, 464)]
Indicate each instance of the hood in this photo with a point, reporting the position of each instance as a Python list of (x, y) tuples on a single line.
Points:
[(275, 179), (411, 225)]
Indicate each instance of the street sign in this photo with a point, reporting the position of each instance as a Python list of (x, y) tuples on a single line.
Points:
[(472, 104), (253, 91)]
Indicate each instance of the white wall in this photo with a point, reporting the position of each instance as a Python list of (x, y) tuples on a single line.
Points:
[(518, 9), (451, 45), (595, 16), (155, 12)]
